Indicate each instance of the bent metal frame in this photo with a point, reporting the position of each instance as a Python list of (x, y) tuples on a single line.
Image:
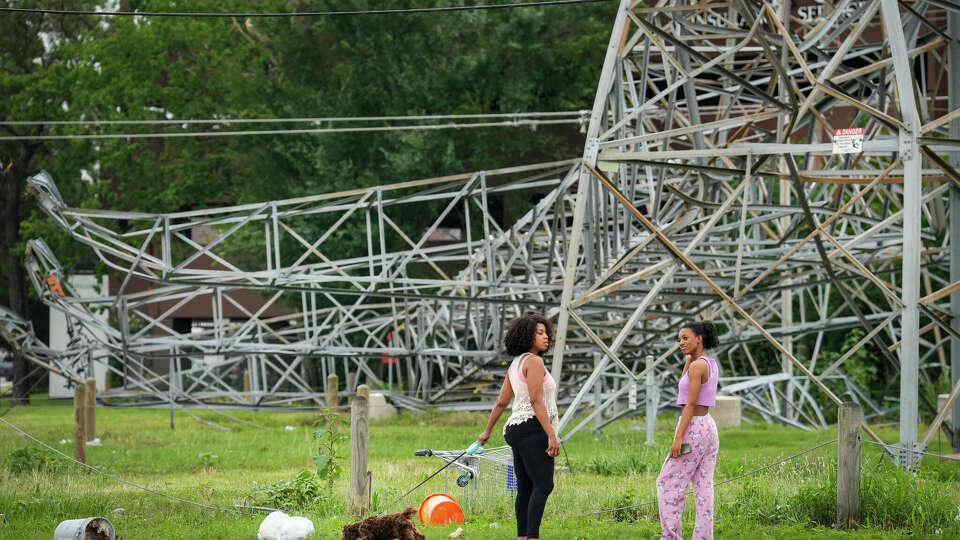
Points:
[(708, 188)]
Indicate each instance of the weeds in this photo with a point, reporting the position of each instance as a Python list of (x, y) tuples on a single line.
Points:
[(895, 498), (891, 499), (304, 491), (31, 458), (291, 495), (329, 434)]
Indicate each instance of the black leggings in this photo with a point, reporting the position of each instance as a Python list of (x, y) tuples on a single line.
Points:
[(534, 470)]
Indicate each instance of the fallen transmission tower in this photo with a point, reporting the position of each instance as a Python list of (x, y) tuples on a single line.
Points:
[(712, 185)]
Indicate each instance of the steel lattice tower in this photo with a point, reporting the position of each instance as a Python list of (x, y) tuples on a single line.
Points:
[(708, 188)]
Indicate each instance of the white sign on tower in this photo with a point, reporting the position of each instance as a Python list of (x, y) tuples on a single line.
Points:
[(848, 140)]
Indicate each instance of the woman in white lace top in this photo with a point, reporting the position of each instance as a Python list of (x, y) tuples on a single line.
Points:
[(531, 429)]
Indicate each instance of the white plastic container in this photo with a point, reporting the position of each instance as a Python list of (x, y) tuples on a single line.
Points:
[(78, 529)]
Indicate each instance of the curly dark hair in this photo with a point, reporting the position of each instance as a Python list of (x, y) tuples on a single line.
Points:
[(706, 330), (520, 335)]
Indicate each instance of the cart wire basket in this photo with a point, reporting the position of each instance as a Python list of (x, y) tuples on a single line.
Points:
[(479, 481)]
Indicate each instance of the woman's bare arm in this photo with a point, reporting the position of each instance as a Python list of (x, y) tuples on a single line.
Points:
[(503, 400)]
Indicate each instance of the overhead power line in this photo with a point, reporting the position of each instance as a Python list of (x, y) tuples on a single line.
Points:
[(414, 127), (304, 14), (527, 115)]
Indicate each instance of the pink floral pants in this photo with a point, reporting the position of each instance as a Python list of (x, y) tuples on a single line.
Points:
[(678, 473)]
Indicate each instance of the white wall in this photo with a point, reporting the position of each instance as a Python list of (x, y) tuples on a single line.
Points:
[(83, 286)]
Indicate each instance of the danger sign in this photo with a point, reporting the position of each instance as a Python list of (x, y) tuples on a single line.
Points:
[(848, 140)]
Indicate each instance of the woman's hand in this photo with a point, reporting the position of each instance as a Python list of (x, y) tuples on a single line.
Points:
[(553, 445), (675, 449), (484, 437)]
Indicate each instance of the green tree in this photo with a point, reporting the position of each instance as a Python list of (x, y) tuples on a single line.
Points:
[(34, 71), (501, 61), (68, 67), (153, 68)]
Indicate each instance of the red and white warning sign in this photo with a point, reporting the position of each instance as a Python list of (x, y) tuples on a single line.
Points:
[(848, 140)]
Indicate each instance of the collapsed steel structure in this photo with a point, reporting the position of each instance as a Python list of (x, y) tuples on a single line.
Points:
[(336, 314), (19, 334), (708, 188)]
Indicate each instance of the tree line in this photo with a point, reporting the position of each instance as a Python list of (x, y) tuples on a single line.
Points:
[(59, 67)]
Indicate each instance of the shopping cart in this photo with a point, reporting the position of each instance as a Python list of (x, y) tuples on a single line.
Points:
[(481, 478)]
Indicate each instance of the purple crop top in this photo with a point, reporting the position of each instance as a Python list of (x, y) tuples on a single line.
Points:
[(708, 390)]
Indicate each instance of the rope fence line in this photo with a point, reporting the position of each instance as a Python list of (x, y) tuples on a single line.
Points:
[(892, 449), (727, 481)]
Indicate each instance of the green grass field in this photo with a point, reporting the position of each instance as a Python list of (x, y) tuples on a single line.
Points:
[(613, 469)]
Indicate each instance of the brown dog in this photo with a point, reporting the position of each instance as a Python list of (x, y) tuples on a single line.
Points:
[(389, 527)]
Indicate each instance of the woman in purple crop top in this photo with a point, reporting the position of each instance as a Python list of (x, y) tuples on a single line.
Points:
[(696, 392)]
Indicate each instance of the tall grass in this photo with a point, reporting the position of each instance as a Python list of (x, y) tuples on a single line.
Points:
[(892, 499)]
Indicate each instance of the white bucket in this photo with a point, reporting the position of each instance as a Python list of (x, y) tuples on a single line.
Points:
[(94, 528)]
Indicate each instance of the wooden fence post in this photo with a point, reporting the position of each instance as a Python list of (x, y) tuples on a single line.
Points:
[(91, 427), (333, 382), (359, 440), (848, 464), (79, 421)]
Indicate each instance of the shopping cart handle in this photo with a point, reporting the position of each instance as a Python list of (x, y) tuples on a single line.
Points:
[(473, 448), (426, 452)]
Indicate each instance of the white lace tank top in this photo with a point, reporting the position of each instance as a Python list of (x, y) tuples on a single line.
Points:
[(522, 409)]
